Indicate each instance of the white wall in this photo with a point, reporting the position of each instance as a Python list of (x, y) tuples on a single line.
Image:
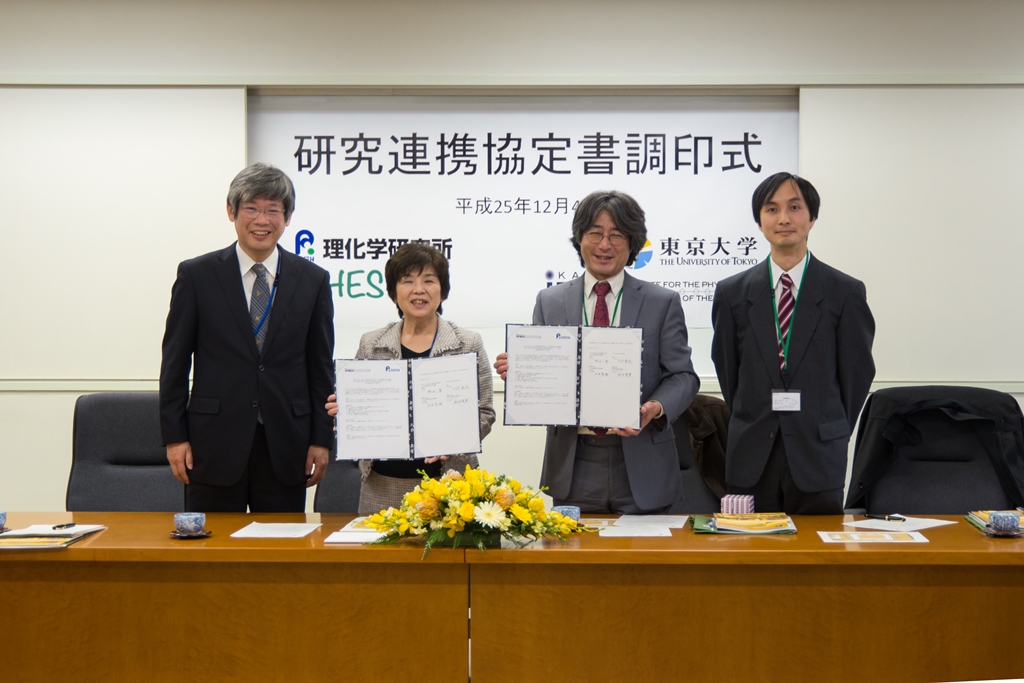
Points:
[(149, 149)]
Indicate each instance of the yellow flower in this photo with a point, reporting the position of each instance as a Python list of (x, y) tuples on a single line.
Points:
[(536, 504), (412, 498), (467, 511), (504, 498), (460, 489), (451, 475), (427, 509), (521, 514), (514, 485)]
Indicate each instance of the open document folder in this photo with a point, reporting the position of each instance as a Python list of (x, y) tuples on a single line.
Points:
[(570, 376), (402, 409)]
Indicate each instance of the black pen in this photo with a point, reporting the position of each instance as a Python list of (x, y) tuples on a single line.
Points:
[(888, 518), (63, 526)]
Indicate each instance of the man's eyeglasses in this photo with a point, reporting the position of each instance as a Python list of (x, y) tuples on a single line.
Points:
[(617, 239), (252, 213)]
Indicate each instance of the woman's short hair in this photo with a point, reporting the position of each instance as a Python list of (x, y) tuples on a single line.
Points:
[(262, 181), (625, 212), (412, 258)]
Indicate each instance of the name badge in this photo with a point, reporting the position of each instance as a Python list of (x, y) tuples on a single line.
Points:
[(785, 401)]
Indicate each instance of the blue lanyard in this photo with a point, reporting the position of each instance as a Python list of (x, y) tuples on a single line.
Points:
[(270, 301)]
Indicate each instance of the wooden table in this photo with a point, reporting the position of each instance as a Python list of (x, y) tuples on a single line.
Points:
[(730, 608), (132, 604)]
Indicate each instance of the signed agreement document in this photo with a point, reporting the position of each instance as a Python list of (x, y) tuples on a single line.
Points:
[(573, 376), (397, 409)]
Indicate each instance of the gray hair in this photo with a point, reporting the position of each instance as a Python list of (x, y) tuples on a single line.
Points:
[(624, 210), (262, 181)]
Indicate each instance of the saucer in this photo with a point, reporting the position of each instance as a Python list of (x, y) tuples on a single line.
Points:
[(1001, 534), (202, 534)]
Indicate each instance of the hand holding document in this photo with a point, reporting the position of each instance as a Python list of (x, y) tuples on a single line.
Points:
[(573, 376)]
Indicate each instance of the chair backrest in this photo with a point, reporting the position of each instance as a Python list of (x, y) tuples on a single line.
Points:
[(118, 460), (938, 450), (695, 427), (339, 489)]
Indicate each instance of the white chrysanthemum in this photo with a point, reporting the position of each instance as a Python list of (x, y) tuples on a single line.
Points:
[(489, 514)]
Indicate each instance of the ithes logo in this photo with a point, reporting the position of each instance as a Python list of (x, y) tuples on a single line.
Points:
[(389, 368), (304, 239), (559, 335), (644, 257)]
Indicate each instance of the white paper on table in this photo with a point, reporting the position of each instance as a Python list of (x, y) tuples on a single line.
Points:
[(446, 405), (47, 530), (354, 536), (669, 521), (910, 524), (275, 530), (610, 377), (373, 409), (635, 531), (872, 537), (543, 369)]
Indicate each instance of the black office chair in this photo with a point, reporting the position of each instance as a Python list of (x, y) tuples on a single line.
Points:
[(118, 461), (703, 471), (938, 450), (339, 490)]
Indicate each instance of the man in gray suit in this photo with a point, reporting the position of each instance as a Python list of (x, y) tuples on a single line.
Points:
[(792, 349), (625, 471)]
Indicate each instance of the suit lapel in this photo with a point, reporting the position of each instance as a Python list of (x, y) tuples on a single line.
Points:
[(574, 302), (632, 298), (806, 316), (287, 284), (762, 322), (230, 279)]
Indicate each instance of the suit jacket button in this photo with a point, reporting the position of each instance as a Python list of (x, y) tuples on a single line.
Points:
[(261, 368), (255, 404), (771, 435)]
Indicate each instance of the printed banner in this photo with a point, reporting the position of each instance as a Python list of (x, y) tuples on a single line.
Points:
[(493, 183)]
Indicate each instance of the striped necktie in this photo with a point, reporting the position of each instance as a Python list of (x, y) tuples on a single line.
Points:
[(786, 305)]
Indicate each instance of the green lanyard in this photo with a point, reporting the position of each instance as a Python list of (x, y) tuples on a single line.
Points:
[(775, 308), (611, 321)]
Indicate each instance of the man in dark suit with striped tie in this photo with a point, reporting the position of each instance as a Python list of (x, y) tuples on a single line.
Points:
[(257, 324), (792, 349)]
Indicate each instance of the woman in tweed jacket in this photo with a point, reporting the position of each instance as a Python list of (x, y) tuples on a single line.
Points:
[(417, 281)]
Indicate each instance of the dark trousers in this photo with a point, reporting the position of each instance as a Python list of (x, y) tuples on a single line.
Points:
[(776, 492), (258, 490), (600, 484)]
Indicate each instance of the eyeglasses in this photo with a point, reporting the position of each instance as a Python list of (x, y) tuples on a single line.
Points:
[(252, 213), (617, 239)]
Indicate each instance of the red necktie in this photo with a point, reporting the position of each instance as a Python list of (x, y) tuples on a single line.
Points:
[(601, 309), (786, 305), (601, 320)]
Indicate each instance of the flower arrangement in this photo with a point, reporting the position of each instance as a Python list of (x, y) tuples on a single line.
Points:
[(470, 509)]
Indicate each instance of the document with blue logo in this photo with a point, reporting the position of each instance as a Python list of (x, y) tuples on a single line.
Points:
[(573, 376), (397, 409), (541, 386)]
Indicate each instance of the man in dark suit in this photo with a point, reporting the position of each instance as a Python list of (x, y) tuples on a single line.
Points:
[(792, 348), (624, 471), (258, 323)]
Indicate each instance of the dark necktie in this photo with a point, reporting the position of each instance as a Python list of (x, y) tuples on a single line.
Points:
[(257, 305), (786, 305), (601, 289)]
